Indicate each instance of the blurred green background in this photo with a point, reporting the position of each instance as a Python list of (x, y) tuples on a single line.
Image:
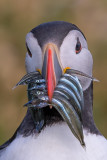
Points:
[(17, 18)]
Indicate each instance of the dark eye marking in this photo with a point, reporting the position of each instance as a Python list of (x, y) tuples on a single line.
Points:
[(29, 52), (78, 46)]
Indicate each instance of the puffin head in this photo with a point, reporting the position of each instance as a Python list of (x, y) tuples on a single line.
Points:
[(54, 47)]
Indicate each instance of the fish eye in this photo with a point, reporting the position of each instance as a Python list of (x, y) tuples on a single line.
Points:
[(38, 92), (78, 46)]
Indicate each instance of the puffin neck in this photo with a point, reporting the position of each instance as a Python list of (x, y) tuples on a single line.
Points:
[(48, 116), (87, 112)]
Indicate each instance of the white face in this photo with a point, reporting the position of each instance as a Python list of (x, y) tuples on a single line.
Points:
[(35, 62), (81, 61)]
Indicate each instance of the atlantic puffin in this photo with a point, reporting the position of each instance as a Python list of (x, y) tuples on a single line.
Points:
[(55, 141)]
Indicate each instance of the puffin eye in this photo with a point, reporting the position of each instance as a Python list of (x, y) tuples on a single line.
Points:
[(78, 46), (29, 52)]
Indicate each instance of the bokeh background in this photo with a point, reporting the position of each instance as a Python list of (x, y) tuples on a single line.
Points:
[(17, 18)]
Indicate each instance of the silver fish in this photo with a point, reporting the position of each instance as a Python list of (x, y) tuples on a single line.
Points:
[(68, 105), (59, 92), (76, 83), (38, 92), (38, 87), (76, 72), (37, 106), (39, 81), (70, 116), (71, 86), (71, 95), (28, 78)]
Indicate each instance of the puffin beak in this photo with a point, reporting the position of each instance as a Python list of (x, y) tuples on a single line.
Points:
[(51, 70)]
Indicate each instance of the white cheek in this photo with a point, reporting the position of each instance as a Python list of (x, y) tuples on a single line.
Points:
[(29, 64), (82, 62), (34, 62), (65, 52)]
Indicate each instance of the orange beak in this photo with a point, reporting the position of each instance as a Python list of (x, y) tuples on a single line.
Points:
[(51, 70), (51, 79)]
